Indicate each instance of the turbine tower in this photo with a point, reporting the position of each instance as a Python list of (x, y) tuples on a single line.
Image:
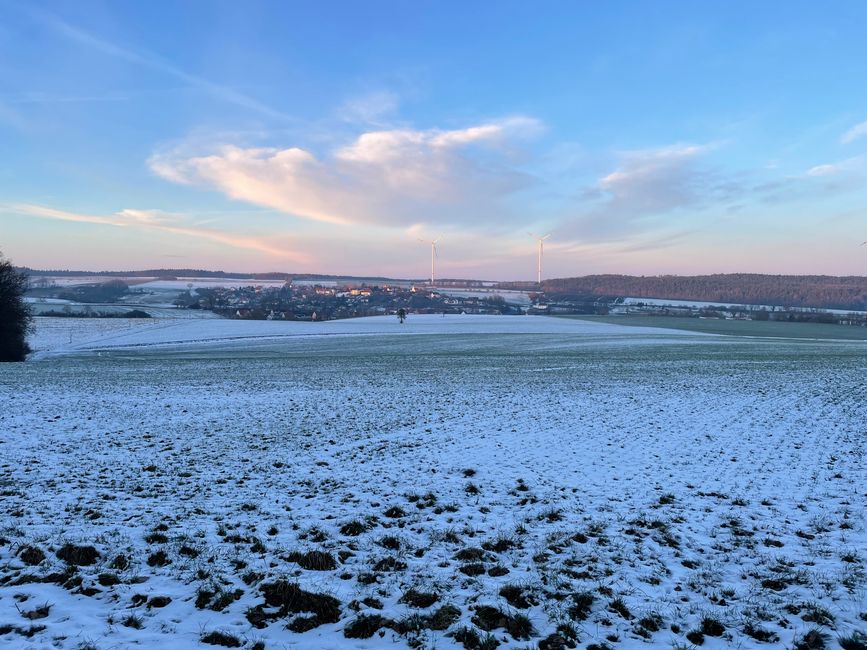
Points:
[(541, 248), (433, 256)]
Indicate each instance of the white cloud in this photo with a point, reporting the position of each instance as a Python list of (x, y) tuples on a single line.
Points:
[(857, 131), (393, 177), (823, 170), (852, 168)]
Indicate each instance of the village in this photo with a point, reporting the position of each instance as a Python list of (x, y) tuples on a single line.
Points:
[(318, 302)]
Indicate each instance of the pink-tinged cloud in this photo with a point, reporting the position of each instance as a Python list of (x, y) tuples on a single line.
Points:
[(158, 220), (393, 178)]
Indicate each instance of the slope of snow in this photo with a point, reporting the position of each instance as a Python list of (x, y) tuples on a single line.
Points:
[(549, 493), (49, 337)]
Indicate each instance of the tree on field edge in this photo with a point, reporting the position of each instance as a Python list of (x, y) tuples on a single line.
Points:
[(15, 314)]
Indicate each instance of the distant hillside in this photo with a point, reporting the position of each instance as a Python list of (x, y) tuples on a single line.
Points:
[(194, 273), (820, 291), (227, 275)]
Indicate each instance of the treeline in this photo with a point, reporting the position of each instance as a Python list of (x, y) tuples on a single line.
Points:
[(155, 273), (132, 313), (818, 291), (105, 292), (175, 274)]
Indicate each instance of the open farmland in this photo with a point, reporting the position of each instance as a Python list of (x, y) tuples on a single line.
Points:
[(751, 328), (462, 482)]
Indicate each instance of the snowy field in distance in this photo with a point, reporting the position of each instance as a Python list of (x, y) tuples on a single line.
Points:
[(182, 284), (51, 335), (512, 482), (697, 304)]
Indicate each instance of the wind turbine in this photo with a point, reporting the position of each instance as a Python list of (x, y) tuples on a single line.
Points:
[(433, 256), (541, 248)]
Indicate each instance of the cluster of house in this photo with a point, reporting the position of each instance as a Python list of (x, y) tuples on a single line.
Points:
[(328, 301)]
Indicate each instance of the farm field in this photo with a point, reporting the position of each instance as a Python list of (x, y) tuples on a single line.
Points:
[(55, 336), (756, 329), (462, 482)]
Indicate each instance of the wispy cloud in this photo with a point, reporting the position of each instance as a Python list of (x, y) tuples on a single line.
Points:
[(158, 220), (647, 191), (153, 61), (857, 131), (823, 170), (370, 108), (392, 177)]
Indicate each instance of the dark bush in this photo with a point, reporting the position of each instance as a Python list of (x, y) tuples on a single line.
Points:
[(15, 315)]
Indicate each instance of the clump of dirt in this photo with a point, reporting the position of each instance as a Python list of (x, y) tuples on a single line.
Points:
[(582, 603), (516, 596), (389, 564), (78, 555), (221, 639), (314, 560), (291, 599), (160, 558), (472, 570), (489, 618), (470, 554), (418, 599), (365, 626), (31, 555)]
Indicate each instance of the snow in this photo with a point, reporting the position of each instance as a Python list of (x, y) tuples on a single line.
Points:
[(49, 301), (155, 308), (688, 476), (698, 304), (187, 332), (181, 284), (510, 296)]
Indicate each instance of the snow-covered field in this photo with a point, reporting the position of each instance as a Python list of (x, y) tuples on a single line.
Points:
[(698, 304), (467, 482), (158, 308), (182, 284), (54, 336), (510, 296)]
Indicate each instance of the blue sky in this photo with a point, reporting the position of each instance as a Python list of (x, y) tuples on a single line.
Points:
[(664, 137)]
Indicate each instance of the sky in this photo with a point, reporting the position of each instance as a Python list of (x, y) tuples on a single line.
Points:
[(331, 137)]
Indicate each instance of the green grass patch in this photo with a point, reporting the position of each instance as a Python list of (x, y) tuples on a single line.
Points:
[(760, 329)]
